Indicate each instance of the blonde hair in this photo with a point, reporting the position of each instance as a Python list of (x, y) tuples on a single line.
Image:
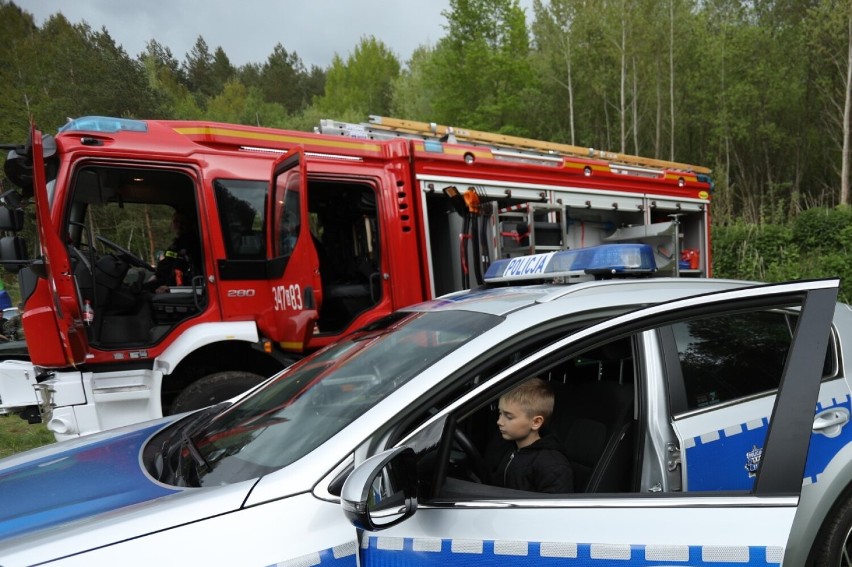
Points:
[(535, 396)]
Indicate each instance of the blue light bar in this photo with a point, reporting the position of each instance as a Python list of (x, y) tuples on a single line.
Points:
[(604, 261), (104, 124)]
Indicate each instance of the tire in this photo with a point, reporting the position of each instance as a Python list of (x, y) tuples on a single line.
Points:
[(833, 546), (214, 388)]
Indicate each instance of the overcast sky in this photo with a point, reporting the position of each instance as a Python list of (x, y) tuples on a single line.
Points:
[(248, 30)]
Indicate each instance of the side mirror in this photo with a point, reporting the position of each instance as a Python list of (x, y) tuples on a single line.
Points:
[(11, 219), (13, 253), (19, 164), (382, 491)]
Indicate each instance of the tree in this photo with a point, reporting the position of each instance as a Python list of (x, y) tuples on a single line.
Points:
[(71, 70), (553, 31), (830, 22), (17, 76), (249, 74), (240, 105), (760, 117), (162, 61), (167, 79), (314, 83), (222, 71), (412, 92), (481, 69), (363, 83), (198, 67), (283, 80), (229, 105)]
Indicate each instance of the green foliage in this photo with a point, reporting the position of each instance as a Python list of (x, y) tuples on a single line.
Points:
[(822, 229), (412, 92), (236, 104), (751, 252), (284, 80), (816, 244), (17, 28), (363, 83), (50, 73), (481, 71), (198, 67)]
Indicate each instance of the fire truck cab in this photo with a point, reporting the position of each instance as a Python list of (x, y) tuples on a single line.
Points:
[(288, 240)]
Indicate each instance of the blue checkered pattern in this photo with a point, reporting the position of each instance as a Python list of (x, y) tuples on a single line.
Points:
[(379, 551)]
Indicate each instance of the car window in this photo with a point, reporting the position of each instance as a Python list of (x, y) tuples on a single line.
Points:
[(593, 421), (487, 366), (242, 209), (733, 356)]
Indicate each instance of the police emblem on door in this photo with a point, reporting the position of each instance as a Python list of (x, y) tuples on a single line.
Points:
[(753, 460)]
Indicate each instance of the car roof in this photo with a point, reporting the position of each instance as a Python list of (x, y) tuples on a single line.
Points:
[(577, 296)]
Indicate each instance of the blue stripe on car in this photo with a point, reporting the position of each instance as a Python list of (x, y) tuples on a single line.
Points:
[(82, 481), (718, 460)]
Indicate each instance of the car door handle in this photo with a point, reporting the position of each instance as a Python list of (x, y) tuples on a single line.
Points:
[(831, 422)]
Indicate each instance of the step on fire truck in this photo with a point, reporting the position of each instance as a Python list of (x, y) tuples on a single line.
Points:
[(303, 238)]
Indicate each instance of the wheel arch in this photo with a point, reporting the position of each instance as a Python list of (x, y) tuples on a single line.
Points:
[(197, 337), (217, 347)]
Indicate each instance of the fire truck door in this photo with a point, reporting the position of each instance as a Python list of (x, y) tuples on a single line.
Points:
[(294, 266), (58, 323)]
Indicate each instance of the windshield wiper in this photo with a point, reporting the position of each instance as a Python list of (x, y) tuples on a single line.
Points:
[(188, 475), (170, 462), (189, 445)]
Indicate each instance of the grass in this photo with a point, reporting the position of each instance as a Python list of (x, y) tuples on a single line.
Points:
[(17, 435)]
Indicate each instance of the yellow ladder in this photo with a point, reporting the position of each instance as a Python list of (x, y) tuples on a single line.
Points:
[(452, 134)]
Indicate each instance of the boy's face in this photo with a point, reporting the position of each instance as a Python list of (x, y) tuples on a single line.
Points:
[(515, 425)]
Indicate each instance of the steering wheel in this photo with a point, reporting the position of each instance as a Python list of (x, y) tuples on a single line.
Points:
[(476, 461), (126, 254)]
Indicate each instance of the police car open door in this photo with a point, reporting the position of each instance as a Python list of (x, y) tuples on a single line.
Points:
[(294, 264), (411, 506)]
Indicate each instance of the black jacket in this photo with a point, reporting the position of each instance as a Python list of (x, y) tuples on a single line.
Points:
[(182, 255), (540, 467)]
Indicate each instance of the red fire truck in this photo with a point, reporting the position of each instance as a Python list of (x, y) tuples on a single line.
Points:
[(301, 237)]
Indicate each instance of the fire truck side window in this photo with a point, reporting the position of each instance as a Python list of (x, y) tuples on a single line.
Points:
[(287, 215), (242, 208)]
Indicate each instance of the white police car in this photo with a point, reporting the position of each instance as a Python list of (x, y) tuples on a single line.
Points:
[(706, 423)]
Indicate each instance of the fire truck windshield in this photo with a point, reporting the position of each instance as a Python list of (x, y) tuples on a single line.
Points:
[(316, 398)]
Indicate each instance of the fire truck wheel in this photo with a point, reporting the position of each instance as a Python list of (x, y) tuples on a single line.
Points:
[(833, 546), (215, 388)]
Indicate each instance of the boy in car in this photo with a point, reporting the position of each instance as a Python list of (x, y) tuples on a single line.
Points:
[(525, 459)]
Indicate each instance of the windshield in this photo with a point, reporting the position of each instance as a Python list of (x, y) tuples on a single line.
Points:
[(319, 396)]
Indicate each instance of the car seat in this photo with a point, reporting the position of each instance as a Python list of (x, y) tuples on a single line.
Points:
[(594, 420)]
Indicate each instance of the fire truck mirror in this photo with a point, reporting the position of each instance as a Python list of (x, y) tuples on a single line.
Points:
[(19, 164), (11, 219), (13, 253)]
